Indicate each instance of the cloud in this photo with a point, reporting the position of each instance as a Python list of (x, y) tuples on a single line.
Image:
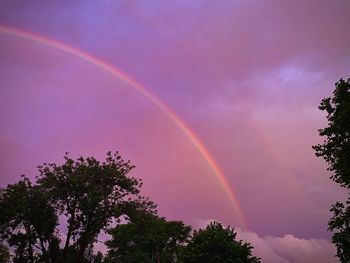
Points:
[(285, 249), (289, 248)]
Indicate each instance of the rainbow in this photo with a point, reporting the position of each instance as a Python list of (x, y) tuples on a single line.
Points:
[(144, 91)]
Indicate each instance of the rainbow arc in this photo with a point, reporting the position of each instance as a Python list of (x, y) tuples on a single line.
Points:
[(116, 72)]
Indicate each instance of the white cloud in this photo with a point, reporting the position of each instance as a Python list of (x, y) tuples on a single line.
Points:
[(285, 249), (289, 248)]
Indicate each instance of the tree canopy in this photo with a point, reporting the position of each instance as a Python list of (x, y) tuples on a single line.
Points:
[(335, 149), (28, 220), (147, 238), (4, 254), (87, 193), (217, 244), (57, 219)]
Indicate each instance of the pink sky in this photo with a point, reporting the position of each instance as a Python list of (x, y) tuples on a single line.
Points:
[(245, 76)]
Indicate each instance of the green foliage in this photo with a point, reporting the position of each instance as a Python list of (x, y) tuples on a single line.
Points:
[(336, 151), (216, 244), (147, 238)]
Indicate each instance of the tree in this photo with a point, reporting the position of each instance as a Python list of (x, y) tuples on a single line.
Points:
[(4, 254), (87, 193), (217, 244), (340, 223), (147, 238), (335, 149), (28, 221), (92, 196)]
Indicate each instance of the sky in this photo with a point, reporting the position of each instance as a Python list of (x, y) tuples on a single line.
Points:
[(246, 78)]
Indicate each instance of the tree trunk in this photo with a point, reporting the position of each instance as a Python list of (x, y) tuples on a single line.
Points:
[(69, 235), (30, 248), (157, 255), (66, 245), (31, 254), (43, 249), (80, 255)]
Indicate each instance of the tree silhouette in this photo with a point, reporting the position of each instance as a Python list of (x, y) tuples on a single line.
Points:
[(147, 238), (76, 201), (217, 244), (4, 254), (90, 194), (28, 221), (86, 192), (336, 151)]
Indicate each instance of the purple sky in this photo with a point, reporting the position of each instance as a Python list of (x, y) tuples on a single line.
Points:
[(245, 76)]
